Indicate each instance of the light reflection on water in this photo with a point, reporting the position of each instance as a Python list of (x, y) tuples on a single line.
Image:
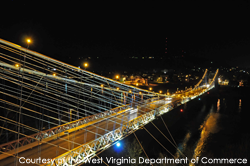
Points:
[(239, 105), (182, 147), (221, 119), (208, 127), (218, 105)]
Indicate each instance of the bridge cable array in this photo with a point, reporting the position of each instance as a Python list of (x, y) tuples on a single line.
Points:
[(43, 98)]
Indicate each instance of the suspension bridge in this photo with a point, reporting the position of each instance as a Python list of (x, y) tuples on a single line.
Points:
[(57, 114)]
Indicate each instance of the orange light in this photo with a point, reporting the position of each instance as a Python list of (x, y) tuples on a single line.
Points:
[(150, 88), (117, 88), (28, 41), (139, 92), (85, 64), (102, 85), (117, 77), (160, 91), (130, 91), (137, 84), (54, 74), (181, 110), (17, 65)]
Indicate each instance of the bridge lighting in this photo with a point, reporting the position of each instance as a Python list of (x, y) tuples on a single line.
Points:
[(117, 76), (137, 84), (85, 65), (160, 91), (28, 41), (150, 88), (17, 65), (118, 144), (118, 147), (54, 74)]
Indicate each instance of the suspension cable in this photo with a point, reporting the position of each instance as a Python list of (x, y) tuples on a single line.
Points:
[(142, 148)]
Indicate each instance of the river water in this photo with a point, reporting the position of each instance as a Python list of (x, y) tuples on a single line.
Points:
[(214, 126)]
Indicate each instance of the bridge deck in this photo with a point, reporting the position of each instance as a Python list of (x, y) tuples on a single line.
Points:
[(77, 137)]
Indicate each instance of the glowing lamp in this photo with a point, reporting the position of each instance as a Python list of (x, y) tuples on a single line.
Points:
[(118, 144), (28, 41)]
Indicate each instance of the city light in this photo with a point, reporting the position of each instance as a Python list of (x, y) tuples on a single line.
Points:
[(150, 88), (17, 65), (160, 91), (117, 88), (117, 76), (181, 110), (54, 74)]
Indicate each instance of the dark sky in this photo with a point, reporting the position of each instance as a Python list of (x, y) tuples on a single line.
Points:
[(211, 29)]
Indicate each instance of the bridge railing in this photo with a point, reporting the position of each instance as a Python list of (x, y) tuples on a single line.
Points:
[(83, 152), (70, 125)]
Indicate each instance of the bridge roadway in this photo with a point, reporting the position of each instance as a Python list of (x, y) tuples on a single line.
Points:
[(77, 137), (87, 134)]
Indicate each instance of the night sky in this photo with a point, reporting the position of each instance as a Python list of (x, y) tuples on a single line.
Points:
[(207, 29)]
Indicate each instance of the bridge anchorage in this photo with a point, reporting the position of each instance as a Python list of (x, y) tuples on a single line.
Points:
[(53, 110)]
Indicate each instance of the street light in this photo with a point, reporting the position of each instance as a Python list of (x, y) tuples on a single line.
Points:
[(150, 88), (117, 76), (85, 65), (28, 42)]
